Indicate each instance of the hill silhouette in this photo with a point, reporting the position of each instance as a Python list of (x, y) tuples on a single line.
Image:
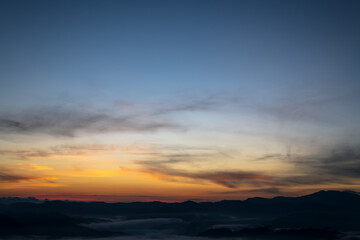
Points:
[(321, 215)]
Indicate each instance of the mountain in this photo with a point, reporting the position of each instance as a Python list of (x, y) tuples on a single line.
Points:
[(326, 213), (9, 200)]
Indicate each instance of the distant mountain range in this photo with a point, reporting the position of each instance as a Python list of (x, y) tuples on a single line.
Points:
[(321, 215), (9, 200), (317, 196)]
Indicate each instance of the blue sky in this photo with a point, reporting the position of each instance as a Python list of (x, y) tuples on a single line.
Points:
[(149, 49)]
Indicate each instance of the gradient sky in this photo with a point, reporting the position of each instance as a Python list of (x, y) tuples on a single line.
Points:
[(177, 100)]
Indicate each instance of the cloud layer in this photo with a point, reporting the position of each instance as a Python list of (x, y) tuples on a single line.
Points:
[(69, 122)]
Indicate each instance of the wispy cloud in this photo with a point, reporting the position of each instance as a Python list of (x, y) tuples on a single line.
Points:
[(305, 105), (226, 178), (120, 116), (8, 177), (260, 190), (341, 164), (70, 122), (177, 104), (338, 166), (26, 177), (33, 167), (80, 150)]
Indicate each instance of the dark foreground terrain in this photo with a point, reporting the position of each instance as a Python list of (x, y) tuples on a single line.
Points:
[(321, 215)]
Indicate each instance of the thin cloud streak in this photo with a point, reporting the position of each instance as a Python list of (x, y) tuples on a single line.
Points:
[(71, 122), (80, 150), (6, 177), (338, 166), (120, 117), (226, 178)]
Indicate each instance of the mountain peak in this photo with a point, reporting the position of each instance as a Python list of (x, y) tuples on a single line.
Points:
[(9, 200)]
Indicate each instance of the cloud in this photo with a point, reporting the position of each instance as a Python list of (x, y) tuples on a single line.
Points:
[(272, 156), (169, 106), (340, 165), (6, 177), (305, 106), (121, 116), (70, 122), (60, 150), (272, 191), (194, 105), (230, 179), (81, 150), (33, 167), (27, 174), (226, 178)]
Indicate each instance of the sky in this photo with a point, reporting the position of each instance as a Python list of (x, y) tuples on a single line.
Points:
[(178, 100)]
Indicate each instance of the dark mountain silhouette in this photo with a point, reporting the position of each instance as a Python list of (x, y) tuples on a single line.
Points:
[(8, 200), (321, 215)]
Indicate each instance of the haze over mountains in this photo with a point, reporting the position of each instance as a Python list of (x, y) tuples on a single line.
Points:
[(321, 215)]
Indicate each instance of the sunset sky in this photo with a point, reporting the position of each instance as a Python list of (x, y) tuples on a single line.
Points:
[(178, 100)]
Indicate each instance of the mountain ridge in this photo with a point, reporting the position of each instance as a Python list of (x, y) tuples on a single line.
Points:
[(332, 194), (308, 215)]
